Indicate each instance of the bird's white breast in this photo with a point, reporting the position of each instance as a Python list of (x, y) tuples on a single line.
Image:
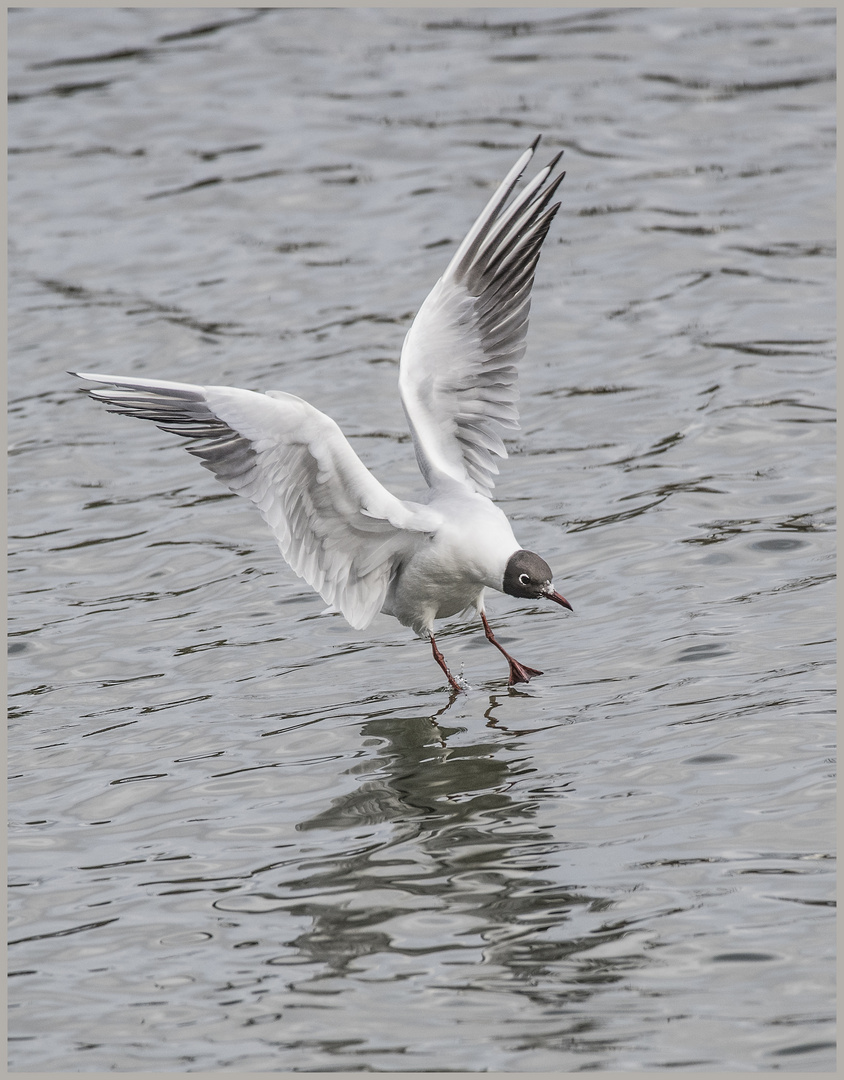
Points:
[(451, 567)]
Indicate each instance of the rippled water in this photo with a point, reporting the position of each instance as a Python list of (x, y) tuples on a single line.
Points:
[(245, 837)]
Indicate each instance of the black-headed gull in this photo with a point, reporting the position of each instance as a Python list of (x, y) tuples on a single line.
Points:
[(361, 548)]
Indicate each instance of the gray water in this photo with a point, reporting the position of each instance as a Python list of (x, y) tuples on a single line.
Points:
[(246, 837)]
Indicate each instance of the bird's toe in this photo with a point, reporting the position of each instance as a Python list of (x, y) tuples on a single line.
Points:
[(521, 673)]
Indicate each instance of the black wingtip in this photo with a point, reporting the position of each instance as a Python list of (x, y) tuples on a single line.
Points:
[(535, 143), (553, 164)]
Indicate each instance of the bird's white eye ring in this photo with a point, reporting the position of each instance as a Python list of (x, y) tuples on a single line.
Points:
[(524, 579)]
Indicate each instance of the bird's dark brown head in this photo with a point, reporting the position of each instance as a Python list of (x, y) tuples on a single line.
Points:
[(529, 577)]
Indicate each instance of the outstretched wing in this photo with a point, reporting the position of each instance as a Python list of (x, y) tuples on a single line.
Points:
[(336, 525), (458, 362)]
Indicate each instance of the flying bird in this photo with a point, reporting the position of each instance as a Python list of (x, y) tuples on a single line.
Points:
[(361, 548)]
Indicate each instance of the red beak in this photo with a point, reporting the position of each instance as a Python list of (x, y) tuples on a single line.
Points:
[(561, 600)]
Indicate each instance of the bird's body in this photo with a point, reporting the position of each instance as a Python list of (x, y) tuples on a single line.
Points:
[(448, 571), (360, 547)]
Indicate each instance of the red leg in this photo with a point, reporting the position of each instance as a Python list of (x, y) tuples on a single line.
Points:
[(440, 659), (518, 672)]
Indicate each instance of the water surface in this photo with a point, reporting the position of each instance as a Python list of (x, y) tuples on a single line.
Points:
[(246, 837)]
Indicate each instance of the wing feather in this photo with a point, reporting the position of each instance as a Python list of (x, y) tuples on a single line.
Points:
[(335, 524), (458, 365)]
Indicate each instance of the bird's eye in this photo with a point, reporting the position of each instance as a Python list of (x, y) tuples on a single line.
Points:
[(524, 579)]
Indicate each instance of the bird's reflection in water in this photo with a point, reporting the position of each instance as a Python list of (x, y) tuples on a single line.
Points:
[(491, 720), (441, 856)]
